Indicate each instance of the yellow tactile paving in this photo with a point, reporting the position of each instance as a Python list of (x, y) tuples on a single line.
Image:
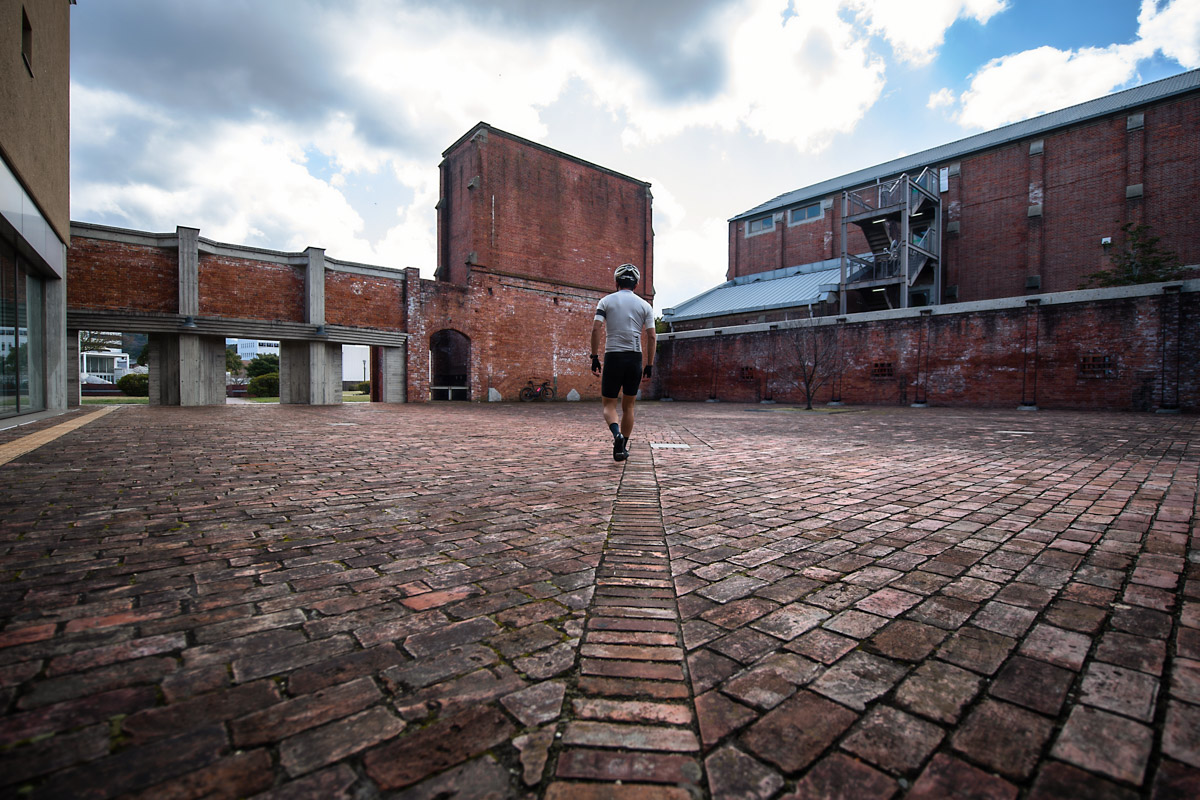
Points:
[(26, 444)]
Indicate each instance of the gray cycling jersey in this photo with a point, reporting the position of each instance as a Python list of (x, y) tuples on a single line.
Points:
[(625, 315)]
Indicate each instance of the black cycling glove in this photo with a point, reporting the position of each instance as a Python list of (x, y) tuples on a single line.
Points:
[(647, 370), (595, 363)]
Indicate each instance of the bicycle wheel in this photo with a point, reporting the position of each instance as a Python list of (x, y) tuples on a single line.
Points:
[(547, 393), (526, 394)]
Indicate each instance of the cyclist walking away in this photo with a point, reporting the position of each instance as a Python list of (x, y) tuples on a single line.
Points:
[(622, 316)]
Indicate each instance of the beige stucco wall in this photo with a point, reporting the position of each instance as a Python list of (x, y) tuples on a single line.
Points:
[(35, 110)]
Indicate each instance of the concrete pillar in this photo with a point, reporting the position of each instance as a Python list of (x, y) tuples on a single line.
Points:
[(314, 287), (310, 372), (186, 370), (390, 375), (62, 361), (189, 271), (70, 392)]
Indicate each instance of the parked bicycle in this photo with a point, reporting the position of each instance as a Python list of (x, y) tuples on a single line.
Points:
[(542, 391)]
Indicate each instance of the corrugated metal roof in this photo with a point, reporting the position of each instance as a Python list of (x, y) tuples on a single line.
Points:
[(782, 288), (1103, 106)]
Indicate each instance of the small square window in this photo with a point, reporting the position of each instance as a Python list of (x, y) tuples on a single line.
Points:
[(1097, 365), (760, 225), (882, 370)]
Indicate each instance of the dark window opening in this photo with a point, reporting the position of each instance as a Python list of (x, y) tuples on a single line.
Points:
[(26, 42), (1096, 365)]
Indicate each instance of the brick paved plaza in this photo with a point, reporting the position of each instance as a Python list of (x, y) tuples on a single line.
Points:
[(469, 601)]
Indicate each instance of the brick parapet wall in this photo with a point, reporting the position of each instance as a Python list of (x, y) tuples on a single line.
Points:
[(1049, 354), (122, 276), (250, 289)]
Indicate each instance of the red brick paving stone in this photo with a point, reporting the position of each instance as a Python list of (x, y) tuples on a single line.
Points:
[(632, 711), (790, 621), (1185, 680), (1175, 781), (1056, 781), (1121, 690), (938, 690), (290, 717), (1003, 737), (1033, 684), (536, 704), (455, 661), (622, 687), (74, 714), (737, 613), (795, 733), (238, 775), (1101, 742), (1057, 646), (321, 747), (570, 790), (976, 649), (443, 744), (1135, 652), (38, 758), (765, 687), (534, 749), (822, 645), (328, 784), (719, 716), (947, 776), (858, 679), (839, 777), (139, 768), (630, 767), (892, 740), (744, 645), (706, 669), (633, 737), (732, 773), (481, 778), (1181, 733)]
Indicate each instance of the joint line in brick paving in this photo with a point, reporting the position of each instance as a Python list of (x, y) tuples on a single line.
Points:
[(632, 718)]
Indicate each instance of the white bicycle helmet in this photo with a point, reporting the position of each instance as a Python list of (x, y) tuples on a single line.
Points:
[(627, 271)]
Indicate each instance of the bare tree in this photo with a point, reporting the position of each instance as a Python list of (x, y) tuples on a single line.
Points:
[(816, 351), (97, 341)]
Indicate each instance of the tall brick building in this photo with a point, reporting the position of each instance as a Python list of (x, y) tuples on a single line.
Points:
[(1025, 209), (528, 238)]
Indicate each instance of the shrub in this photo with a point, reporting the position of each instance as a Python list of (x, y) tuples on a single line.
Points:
[(364, 387), (264, 385), (135, 384)]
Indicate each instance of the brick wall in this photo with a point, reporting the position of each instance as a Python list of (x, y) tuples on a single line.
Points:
[(1051, 355), (519, 329), (363, 301), (528, 211), (115, 276), (243, 288), (1080, 180)]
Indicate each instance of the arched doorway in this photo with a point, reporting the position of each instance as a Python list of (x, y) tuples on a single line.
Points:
[(449, 366)]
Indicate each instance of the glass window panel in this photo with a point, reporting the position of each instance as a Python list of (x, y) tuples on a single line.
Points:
[(33, 373), (8, 329)]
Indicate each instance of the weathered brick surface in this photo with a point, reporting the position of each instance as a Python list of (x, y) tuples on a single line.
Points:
[(245, 288), (94, 265), (988, 358), (874, 603)]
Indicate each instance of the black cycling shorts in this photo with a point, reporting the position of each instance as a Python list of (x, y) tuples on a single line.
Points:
[(622, 371)]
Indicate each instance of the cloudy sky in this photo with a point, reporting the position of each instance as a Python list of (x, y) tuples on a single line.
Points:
[(285, 124)]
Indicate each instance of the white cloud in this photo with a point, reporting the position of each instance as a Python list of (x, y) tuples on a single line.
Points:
[(942, 98), (916, 32), (1045, 79), (683, 261), (1032, 82), (1174, 30)]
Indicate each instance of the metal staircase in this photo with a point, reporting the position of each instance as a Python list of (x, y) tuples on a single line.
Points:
[(901, 222)]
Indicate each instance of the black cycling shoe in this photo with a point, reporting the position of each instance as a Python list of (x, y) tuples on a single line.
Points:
[(619, 451)]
